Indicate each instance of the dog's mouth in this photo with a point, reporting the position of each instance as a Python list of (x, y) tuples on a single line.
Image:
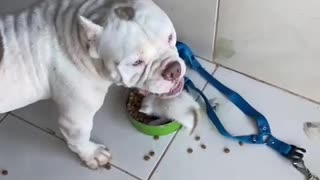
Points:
[(174, 91)]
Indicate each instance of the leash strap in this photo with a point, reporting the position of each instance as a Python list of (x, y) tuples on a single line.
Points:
[(263, 136)]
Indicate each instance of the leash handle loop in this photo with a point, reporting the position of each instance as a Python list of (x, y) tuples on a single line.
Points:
[(264, 136)]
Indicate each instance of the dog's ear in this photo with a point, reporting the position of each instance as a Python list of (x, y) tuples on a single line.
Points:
[(92, 32)]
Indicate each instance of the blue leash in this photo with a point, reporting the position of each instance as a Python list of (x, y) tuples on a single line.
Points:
[(264, 136)]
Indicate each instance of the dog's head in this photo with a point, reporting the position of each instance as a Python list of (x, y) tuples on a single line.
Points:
[(137, 45)]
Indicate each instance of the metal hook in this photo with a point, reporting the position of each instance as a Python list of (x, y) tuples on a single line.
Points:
[(301, 167)]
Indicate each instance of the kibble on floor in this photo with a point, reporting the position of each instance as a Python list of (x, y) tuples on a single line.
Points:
[(146, 158), (203, 146), (151, 153), (4, 172), (226, 150)]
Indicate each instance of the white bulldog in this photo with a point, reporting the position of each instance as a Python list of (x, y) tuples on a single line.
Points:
[(72, 51)]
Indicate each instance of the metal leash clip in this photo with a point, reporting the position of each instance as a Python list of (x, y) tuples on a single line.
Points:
[(301, 167), (296, 155)]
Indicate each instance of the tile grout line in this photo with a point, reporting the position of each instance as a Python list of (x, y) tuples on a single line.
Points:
[(162, 156), (215, 33), (59, 138), (206, 84), (215, 69), (36, 126), (126, 172), (262, 81), (20, 118), (3, 117), (213, 72), (275, 86)]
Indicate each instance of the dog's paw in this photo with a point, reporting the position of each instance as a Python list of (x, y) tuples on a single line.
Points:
[(98, 158)]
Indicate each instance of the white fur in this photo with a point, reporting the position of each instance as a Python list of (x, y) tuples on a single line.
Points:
[(181, 108), (57, 50)]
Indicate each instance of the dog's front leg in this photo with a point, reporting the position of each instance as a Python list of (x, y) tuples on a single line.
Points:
[(76, 123)]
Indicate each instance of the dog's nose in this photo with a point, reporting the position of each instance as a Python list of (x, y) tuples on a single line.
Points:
[(172, 71)]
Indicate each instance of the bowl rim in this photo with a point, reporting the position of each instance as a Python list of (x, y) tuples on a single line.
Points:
[(152, 130)]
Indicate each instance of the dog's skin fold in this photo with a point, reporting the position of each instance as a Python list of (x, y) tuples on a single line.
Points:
[(71, 51)]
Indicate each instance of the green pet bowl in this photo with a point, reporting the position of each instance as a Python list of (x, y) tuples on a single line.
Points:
[(160, 130), (151, 130)]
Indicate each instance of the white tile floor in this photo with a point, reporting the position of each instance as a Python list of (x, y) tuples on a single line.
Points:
[(29, 149)]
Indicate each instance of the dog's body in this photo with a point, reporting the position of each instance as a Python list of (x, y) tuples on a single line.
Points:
[(72, 50), (42, 54), (182, 108)]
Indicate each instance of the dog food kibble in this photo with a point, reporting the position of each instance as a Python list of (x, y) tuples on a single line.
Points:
[(240, 143), (107, 166), (151, 153), (189, 150), (146, 158), (133, 107), (197, 138), (226, 150), (156, 137), (203, 146), (4, 172)]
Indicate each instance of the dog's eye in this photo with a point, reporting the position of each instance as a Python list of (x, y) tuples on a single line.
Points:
[(170, 38), (138, 62)]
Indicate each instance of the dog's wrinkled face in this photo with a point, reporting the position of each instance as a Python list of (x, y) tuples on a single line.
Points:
[(137, 46)]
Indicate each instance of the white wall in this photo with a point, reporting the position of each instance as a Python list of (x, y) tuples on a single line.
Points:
[(277, 41), (194, 22)]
